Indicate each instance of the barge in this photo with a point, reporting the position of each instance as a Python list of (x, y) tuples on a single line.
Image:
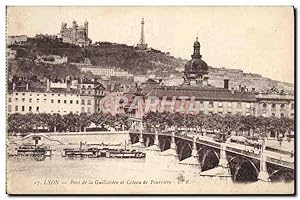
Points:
[(38, 152), (102, 152)]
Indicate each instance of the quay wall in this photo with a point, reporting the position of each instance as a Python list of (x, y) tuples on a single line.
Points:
[(70, 138)]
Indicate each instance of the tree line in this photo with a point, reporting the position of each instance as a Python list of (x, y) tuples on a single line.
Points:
[(37, 122), (226, 124)]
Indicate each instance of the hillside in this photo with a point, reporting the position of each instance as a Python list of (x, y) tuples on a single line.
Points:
[(102, 54), (129, 58)]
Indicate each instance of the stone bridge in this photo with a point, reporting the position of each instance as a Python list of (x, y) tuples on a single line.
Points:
[(239, 162)]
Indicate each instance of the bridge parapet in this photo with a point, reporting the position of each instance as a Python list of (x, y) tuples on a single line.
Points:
[(280, 162), (205, 142), (243, 152)]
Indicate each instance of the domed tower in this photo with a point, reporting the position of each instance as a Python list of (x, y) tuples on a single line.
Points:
[(196, 68)]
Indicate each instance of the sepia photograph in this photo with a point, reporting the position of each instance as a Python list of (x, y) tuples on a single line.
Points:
[(150, 100)]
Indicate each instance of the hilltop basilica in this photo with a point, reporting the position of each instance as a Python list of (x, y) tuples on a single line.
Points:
[(77, 35)]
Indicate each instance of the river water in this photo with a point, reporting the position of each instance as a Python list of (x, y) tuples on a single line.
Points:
[(156, 174)]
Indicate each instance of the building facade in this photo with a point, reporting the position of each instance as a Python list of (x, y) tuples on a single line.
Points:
[(16, 40), (42, 102), (76, 34), (63, 97), (105, 71)]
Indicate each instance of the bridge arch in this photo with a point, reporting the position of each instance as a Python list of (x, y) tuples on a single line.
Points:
[(148, 140), (282, 175), (164, 143), (185, 151), (205, 163), (134, 138), (242, 168)]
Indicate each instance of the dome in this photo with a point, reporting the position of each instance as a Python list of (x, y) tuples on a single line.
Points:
[(196, 64)]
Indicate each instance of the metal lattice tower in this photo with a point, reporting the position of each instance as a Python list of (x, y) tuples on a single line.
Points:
[(142, 39), (142, 44)]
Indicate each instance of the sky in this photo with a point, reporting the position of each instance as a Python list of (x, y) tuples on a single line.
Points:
[(255, 39)]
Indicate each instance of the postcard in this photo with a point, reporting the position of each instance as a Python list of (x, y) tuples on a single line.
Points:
[(155, 100)]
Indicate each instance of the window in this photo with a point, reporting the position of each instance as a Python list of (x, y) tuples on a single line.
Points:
[(16, 99), (201, 104), (220, 113), (71, 101), (264, 105), (30, 109), (77, 102), (16, 108), (23, 94), (58, 101), (248, 105), (220, 104), (23, 99), (229, 113), (37, 94), (30, 100), (89, 92), (30, 94), (52, 101), (58, 94), (52, 94), (82, 109), (82, 102), (292, 106), (37, 100), (65, 101), (23, 108), (229, 105), (89, 102), (45, 100), (273, 105), (210, 104), (16, 93), (89, 110), (239, 105), (282, 106), (210, 112), (45, 95), (37, 109), (9, 108), (9, 99), (281, 114), (273, 114), (239, 113)]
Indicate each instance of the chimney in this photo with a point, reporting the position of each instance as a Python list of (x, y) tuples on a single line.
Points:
[(14, 85), (68, 86), (48, 85), (27, 86), (226, 84), (232, 90)]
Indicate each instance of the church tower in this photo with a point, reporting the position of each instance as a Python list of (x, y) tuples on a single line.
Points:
[(142, 44), (196, 68)]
